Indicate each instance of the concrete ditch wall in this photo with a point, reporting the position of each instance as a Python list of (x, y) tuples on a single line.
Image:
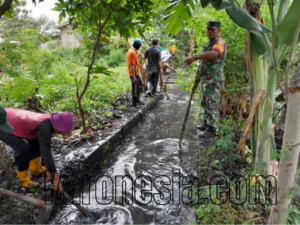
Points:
[(93, 158)]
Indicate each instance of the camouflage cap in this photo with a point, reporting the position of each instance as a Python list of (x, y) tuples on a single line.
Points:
[(213, 24)]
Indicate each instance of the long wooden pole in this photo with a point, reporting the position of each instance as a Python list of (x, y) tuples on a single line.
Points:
[(189, 107), (78, 206), (186, 118)]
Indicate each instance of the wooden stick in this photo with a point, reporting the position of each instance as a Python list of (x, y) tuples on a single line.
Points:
[(80, 207), (186, 118), (189, 108), (166, 94)]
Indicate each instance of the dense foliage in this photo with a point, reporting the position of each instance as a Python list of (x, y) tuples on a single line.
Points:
[(49, 74)]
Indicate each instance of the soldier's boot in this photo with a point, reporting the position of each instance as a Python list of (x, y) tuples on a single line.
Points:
[(210, 132), (203, 127), (25, 180), (35, 167)]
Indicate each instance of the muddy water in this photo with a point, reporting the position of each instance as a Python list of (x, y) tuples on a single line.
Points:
[(150, 160)]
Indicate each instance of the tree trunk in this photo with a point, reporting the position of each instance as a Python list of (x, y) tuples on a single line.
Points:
[(288, 163), (289, 158), (89, 70)]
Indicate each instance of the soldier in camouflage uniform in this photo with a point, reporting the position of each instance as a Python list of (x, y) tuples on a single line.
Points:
[(210, 73)]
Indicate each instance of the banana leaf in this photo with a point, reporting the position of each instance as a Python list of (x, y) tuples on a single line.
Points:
[(286, 29), (243, 19), (258, 42), (179, 14), (204, 3)]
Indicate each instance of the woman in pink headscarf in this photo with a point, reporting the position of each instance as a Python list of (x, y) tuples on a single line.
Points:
[(31, 141)]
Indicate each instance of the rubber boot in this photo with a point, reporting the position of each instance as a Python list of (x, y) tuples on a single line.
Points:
[(35, 167), (210, 132), (203, 127), (149, 89), (134, 101), (154, 90), (25, 180)]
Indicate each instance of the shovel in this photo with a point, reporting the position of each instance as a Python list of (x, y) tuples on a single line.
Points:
[(45, 210)]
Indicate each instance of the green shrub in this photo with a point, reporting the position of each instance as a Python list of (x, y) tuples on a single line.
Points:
[(53, 44), (116, 58)]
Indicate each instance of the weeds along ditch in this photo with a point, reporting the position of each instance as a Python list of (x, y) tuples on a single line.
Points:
[(227, 192)]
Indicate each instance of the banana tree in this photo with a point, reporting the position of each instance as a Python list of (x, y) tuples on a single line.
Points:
[(265, 56), (283, 29), (257, 70)]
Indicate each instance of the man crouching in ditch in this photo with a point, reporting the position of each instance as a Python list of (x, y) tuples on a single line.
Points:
[(31, 141)]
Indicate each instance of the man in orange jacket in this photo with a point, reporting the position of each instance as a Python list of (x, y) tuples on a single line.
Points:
[(133, 68)]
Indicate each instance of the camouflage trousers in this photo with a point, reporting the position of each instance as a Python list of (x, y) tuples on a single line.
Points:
[(211, 102)]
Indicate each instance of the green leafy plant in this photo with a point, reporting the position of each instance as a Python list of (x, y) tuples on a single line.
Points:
[(227, 144), (122, 107), (116, 57)]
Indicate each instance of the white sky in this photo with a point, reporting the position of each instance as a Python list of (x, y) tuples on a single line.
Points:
[(43, 8)]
